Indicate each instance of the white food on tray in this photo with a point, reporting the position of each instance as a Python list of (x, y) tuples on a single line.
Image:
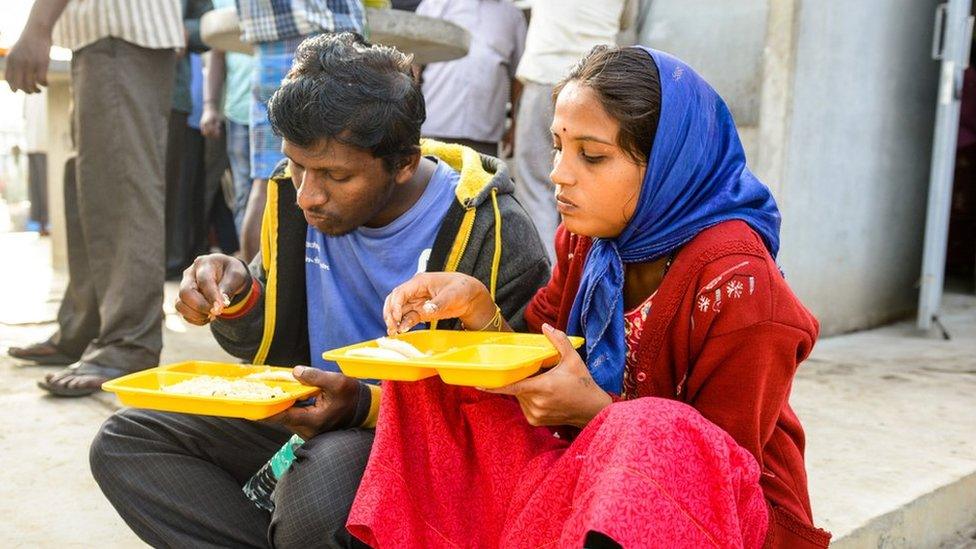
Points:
[(375, 352), (223, 387), (388, 349), (271, 375), (398, 346)]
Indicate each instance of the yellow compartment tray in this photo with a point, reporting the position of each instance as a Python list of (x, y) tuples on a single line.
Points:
[(144, 390), (474, 359)]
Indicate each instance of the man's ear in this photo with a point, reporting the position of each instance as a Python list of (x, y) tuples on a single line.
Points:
[(407, 167)]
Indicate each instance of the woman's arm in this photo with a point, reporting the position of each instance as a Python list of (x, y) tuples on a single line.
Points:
[(749, 335)]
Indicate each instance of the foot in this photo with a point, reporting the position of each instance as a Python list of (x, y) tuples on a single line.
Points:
[(78, 380), (43, 353)]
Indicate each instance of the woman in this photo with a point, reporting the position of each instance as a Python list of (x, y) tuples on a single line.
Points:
[(676, 430)]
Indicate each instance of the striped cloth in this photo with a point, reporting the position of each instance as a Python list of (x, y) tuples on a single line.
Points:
[(153, 24), (272, 61), (273, 20)]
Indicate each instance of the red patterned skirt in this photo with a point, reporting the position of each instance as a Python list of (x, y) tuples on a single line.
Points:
[(456, 467)]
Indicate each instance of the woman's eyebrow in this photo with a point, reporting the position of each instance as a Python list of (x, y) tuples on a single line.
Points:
[(582, 137)]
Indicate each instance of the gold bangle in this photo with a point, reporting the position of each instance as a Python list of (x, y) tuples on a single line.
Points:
[(495, 324)]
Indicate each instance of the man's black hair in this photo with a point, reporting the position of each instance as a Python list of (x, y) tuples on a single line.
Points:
[(344, 88)]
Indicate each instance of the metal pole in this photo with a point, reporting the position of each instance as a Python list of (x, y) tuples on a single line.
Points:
[(952, 48)]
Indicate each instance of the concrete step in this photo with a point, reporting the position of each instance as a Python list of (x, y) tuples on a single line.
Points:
[(890, 417)]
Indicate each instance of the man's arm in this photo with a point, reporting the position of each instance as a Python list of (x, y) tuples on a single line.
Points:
[(215, 71), (191, 24), (28, 59), (240, 328)]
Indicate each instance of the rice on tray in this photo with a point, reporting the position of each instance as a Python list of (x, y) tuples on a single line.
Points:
[(223, 387)]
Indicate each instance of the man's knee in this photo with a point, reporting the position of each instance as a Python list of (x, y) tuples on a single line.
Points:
[(107, 443), (313, 499)]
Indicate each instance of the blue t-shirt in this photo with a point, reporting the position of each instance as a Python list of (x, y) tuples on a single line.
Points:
[(348, 277)]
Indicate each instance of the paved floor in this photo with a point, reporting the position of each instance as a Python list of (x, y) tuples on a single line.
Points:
[(889, 417)]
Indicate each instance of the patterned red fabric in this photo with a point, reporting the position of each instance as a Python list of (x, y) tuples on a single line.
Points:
[(712, 370), (633, 328), (455, 467), (725, 335)]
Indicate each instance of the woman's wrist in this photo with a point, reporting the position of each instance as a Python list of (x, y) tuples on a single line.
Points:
[(482, 310), (600, 401)]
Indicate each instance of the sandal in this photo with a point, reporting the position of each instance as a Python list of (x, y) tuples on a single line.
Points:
[(42, 353), (78, 380)]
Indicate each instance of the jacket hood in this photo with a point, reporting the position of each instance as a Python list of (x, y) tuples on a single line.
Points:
[(480, 173)]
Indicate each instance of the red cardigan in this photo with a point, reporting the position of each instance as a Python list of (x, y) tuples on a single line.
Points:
[(725, 335)]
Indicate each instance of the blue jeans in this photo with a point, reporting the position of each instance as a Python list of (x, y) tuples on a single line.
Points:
[(239, 154)]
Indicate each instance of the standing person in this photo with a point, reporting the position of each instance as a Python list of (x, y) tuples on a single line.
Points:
[(466, 98), (184, 147), (226, 108), (206, 169), (276, 29), (35, 133), (560, 32), (121, 85)]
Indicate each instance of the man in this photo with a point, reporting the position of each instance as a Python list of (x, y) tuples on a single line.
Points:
[(560, 33), (467, 97), (372, 212), (122, 82)]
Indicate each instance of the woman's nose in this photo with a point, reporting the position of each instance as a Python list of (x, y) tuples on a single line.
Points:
[(561, 174)]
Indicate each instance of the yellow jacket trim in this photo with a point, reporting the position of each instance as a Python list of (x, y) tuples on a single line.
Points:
[(464, 160), (496, 258), (269, 258), (374, 406), (240, 304)]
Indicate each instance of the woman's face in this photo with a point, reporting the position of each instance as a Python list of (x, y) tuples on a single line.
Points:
[(597, 182)]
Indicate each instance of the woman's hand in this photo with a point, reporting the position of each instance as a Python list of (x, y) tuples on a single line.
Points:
[(436, 296), (565, 395)]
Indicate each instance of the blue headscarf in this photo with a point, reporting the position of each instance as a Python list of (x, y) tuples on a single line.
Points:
[(696, 178)]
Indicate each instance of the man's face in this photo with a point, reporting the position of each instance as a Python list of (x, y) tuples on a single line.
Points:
[(340, 187)]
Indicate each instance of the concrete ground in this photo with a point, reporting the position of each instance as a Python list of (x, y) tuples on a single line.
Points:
[(889, 416)]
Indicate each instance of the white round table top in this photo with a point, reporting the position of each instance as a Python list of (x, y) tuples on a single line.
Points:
[(430, 40)]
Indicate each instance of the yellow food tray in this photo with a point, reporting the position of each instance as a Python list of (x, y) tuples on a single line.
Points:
[(473, 359), (144, 390)]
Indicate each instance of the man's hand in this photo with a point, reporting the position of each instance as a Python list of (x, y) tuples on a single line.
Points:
[(334, 407), (209, 285), (565, 395), (28, 60), (211, 121)]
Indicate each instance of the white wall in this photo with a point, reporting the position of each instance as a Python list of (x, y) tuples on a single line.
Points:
[(857, 158), (835, 104)]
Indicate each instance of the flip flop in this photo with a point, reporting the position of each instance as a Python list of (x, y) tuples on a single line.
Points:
[(78, 380), (42, 353)]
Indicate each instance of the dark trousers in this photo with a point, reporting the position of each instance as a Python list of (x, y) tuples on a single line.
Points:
[(177, 241), (114, 206), (78, 318), (176, 481), (194, 199), (37, 187)]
